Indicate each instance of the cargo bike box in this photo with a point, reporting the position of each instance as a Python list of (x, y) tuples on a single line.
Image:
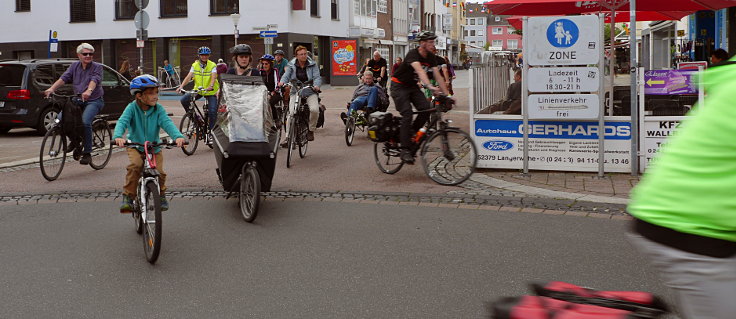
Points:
[(245, 141)]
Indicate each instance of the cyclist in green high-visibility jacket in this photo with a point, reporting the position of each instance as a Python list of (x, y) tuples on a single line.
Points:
[(204, 73)]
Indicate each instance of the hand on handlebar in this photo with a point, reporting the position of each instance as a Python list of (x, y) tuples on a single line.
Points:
[(179, 142), (120, 142), (48, 92)]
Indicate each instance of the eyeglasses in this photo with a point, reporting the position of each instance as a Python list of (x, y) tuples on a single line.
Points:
[(88, 53)]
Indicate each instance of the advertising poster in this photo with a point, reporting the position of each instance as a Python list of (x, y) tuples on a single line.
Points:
[(344, 57), (654, 134), (670, 82), (553, 145)]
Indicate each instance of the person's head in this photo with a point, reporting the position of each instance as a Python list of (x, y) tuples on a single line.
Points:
[(376, 55), (517, 75), (145, 89), (368, 77), (242, 55), (85, 52), (166, 62), (426, 40), (220, 61), (204, 53), (718, 56), (266, 62), (301, 53), (278, 55), (399, 60)]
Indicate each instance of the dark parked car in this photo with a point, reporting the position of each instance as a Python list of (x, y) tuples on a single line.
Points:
[(22, 84)]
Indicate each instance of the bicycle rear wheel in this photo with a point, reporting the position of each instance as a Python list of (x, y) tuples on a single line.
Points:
[(449, 156), (303, 129), (53, 154), (250, 193), (152, 222), (188, 127), (350, 131), (101, 144), (387, 157)]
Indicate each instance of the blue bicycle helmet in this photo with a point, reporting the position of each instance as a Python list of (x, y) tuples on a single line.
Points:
[(143, 82), (267, 57), (204, 50)]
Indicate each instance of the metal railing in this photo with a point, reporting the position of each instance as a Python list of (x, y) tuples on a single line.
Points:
[(489, 81)]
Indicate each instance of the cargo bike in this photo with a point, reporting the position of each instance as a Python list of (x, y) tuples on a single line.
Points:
[(245, 141)]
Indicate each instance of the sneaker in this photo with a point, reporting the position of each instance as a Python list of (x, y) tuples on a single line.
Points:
[(310, 136), (86, 158), (127, 205), (406, 157), (285, 144), (344, 117), (164, 203), (77, 153)]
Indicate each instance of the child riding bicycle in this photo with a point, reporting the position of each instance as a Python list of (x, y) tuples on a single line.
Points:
[(144, 118)]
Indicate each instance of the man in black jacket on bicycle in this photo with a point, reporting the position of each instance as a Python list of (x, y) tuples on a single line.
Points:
[(405, 89)]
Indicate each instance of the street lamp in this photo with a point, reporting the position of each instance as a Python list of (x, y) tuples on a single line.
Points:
[(236, 18)]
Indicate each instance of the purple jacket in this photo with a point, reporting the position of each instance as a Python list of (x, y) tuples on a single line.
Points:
[(80, 78)]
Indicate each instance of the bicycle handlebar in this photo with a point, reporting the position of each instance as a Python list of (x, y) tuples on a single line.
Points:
[(195, 91), (164, 142)]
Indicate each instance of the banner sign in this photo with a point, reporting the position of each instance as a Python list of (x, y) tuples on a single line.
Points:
[(670, 82), (654, 133), (553, 145), (344, 57)]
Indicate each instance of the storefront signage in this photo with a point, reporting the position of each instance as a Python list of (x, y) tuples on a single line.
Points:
[(561, 106), (655, 132), (570, 40), (553, 145), (569, 79), (670, 82), (344, 57)]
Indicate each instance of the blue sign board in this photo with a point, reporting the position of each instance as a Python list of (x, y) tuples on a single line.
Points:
[(670, 82), (549, 129), (268, 34), (562, 33)]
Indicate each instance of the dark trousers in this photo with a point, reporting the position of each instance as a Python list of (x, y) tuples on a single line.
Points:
[(404, 98)]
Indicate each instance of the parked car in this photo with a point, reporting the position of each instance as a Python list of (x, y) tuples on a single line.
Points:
[(22, 84)]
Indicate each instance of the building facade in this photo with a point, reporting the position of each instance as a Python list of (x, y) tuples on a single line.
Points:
[(474, 33), (176, 29), (501, 35)]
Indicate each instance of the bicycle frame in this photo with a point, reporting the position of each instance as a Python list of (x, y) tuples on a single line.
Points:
[(149, 173)]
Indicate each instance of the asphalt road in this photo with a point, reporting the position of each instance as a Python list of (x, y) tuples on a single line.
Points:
[(299, 260)]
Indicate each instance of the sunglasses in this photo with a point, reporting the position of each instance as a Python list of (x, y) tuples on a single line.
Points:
[(88, 54)]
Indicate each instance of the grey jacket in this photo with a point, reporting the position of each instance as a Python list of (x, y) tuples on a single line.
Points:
[(362, 90), (312, 73)]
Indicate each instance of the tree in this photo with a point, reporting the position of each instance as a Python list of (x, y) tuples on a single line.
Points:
[(607, 32)]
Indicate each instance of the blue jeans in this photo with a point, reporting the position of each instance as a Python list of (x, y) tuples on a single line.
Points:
[(211, 109), (365, 100), (91, 109)]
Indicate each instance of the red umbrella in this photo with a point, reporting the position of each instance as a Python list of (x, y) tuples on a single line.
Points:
[(620, 16), (561, 7)]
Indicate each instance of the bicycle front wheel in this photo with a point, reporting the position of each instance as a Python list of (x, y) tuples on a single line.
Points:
[(152, 222), (290, 143), (188, 127), (350, 131), (250, 193), (449, 156), (101, 144), (53, 154), (303, 141), (387, 157)]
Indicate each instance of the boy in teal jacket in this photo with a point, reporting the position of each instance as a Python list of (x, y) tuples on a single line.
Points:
[(144, 118)]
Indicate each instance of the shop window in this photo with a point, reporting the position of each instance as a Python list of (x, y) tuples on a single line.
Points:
[(314, 8), (82, 10), (125, 9), (173, 8), (22, 5), (224, 7)]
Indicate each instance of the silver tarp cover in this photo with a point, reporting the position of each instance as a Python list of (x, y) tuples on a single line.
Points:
[(248, 116)]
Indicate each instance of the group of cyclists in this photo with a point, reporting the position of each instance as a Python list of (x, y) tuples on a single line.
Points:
[(144, 115)]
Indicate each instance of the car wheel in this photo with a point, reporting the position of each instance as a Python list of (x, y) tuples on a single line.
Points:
[(46, 120)]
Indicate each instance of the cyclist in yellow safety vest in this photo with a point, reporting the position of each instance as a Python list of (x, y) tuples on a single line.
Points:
[(204, 73)]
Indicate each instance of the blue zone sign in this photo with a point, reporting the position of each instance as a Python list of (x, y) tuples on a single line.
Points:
[(550, 129), (563, 33)]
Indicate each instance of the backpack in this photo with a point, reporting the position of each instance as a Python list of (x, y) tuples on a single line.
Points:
[(383, 126), (561, 300), (71, 122)]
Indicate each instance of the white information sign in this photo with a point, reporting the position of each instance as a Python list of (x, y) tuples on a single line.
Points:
[(569, 79), (553, 145), (568, 40), (563, 106), (655, 132)]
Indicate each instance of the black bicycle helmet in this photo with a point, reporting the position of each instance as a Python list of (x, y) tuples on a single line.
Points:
[(241, 49), (426, 35), (277, 52)]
